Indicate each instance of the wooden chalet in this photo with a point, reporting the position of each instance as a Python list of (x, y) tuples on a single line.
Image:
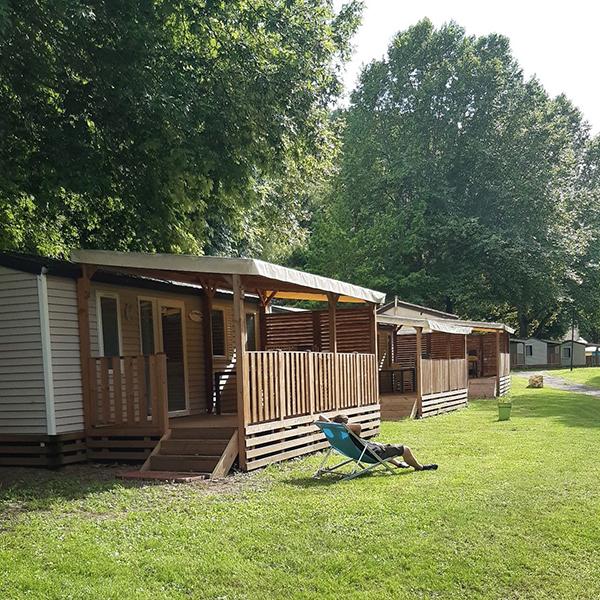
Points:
[(431, 362), (176, 361), (422, 366)]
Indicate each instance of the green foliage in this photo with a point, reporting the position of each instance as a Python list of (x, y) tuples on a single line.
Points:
[(165, 126), (462, 185)]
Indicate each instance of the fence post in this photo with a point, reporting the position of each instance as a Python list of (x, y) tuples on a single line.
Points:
[(419, 374), (162, 392)]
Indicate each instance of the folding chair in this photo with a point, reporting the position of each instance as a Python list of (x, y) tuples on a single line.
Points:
[(349, 445)]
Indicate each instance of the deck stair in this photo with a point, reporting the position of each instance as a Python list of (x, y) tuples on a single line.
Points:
[(190, 453)]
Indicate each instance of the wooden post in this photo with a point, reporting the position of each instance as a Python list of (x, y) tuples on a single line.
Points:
[(332, 301), (449, 358), (85, 352), (481, 354), (467, 362), (160, 396), (207, 304), (374, 350), (265, 301), (419, 374), (241, 370), (498, 363)]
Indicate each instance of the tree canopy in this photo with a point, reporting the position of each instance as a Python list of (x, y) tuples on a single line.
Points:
[(461, 185), (198, 125)]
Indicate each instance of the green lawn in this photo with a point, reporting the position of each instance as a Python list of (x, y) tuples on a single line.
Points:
[(585, 375), (512, 513)]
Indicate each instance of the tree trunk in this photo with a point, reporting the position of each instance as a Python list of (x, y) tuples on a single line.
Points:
[(523, 324), (449, 305)]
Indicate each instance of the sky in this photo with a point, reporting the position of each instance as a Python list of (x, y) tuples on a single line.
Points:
[(558, 42)]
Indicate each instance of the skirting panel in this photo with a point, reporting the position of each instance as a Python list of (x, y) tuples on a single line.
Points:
[(120, 448), (42, 450), (276, 441), (435, 404), (504, 385)]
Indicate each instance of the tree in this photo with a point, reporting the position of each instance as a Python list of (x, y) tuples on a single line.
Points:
[(164, 126), (460, 184)]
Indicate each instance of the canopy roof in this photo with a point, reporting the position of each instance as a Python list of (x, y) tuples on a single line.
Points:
[(485, 326), (427, 325), (456, 326), (282, 282)]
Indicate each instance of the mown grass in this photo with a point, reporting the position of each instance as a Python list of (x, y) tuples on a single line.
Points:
[(589, 376), (511, 513)]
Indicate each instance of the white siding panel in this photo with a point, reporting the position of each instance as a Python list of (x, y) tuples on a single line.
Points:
[(540, 352), (66, 361), (22, 398)]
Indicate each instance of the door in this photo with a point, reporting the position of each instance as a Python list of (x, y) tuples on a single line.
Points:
[(172, 343)]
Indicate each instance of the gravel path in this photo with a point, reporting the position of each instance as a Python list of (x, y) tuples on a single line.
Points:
[(561, 384)]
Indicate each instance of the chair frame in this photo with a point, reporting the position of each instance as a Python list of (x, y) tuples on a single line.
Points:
[(359, 467)]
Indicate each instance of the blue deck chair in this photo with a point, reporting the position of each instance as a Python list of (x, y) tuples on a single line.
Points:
[(353, 448)]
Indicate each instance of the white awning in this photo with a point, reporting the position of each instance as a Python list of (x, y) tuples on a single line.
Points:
[(285, 282), (427, 325)]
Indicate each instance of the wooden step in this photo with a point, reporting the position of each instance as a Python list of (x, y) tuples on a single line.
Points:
[(202, 433), (179, 462), (172, 476), (193, 447)]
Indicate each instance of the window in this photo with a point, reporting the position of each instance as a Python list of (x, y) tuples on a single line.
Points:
[(217, 321), (108, 325), (567, 352), (529, 350), (251, 331)]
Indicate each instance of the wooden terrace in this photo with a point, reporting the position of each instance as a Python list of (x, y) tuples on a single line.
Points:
[(305, 364)]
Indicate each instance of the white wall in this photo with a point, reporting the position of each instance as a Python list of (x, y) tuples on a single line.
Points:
[(64, 347), (540, 353), (578, 355), (22, 397)]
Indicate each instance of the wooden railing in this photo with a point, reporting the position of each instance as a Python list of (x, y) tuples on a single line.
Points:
[(442, 375), (288, 384), (129, 392)]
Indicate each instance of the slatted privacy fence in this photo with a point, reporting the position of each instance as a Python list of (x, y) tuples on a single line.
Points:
[(129, 392), (443, 375), (288, 384)]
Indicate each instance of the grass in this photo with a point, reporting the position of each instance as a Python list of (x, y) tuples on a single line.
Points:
[(589, 376), (512, 513)]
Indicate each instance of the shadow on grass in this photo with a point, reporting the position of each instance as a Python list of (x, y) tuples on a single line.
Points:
[(327, 480), (569, 408), (25, 488)]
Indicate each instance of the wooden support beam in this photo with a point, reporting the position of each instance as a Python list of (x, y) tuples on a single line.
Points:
[(332, 304), (85, 352), (207, 306), (481, 355), (449, 359), (241, 367), (419, 373), (497, 363), (265, 301)]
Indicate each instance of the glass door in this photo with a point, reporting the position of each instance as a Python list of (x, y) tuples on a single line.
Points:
[(172, 343)]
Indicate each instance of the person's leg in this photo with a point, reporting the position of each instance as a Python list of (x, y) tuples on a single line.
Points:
[(410, 458)]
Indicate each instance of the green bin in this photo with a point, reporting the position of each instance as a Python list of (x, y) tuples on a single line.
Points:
[(504, 411)]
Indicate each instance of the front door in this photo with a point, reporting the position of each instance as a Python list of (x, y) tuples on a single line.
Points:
[(172, 343)]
